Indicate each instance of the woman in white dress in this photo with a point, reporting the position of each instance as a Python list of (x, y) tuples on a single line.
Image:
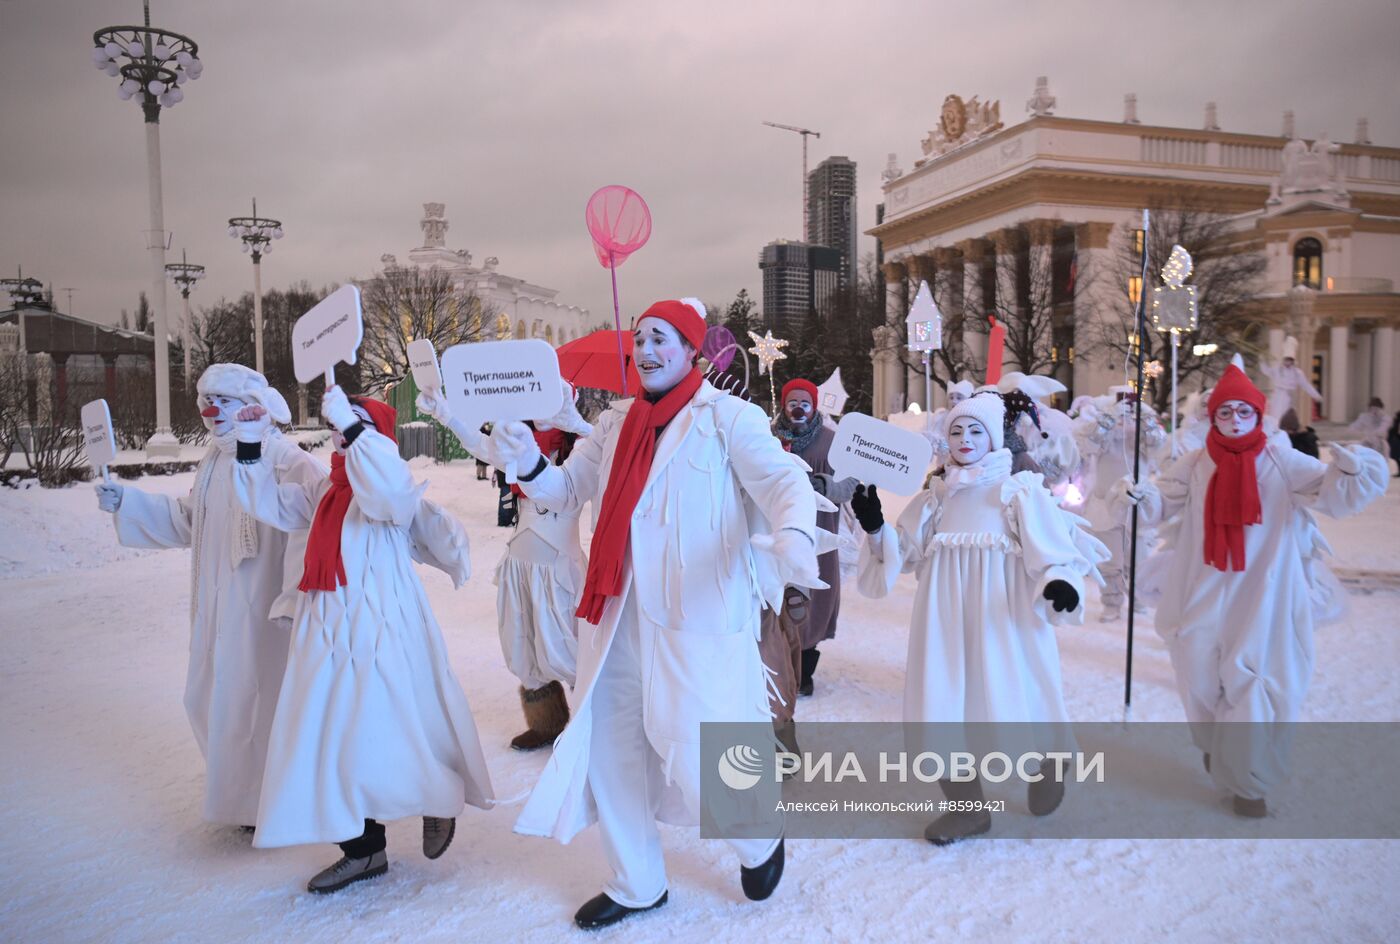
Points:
[(371, 724), (999, 564)]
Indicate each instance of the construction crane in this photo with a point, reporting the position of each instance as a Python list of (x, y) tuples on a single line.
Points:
[(804, 132)]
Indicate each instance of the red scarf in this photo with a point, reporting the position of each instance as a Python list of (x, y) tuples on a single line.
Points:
[(636, 447), (324, 567), (325, 570), (1232, 498)]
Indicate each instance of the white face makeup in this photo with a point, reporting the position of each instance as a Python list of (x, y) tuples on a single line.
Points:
[(1235, 418), (799, 408), (968, 440), (217, 411), (955, 397), (661, 356)]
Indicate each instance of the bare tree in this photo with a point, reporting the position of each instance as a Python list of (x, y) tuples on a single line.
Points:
[(1226, 276), (406, 303)]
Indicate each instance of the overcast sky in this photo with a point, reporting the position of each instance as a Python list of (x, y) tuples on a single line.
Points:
[(344, 116)]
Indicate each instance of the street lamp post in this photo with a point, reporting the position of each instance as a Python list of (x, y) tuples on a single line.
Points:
[(154, 65), (256, 233), (185, 274)]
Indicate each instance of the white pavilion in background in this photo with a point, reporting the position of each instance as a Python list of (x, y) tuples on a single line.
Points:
[(522, 309)]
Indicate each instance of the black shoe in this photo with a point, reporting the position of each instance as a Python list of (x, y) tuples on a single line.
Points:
[(760, 881), (601, 911)]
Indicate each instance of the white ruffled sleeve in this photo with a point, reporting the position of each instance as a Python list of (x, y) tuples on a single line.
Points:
[(383, 484), (1055, 544), (438, 539)]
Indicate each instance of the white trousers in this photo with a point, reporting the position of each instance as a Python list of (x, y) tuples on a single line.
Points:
[(622, 775)]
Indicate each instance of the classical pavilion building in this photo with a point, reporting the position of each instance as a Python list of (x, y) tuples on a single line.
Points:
[(988, 206)]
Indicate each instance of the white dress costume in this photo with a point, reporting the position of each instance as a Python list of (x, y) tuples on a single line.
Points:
[(371, 723), (983, 544), (538, 581), (243, 589), (1241, 642)]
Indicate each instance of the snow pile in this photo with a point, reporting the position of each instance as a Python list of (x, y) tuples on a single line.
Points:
[(47, 531)]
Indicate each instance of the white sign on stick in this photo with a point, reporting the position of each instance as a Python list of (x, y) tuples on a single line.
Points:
[(880, 453), (97, 435), (423, 359), (498, 381), (327, 335)]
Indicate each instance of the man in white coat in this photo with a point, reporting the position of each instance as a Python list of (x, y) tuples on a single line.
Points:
[(243, 578), (1237, 615), (670, 605), (1288, 378)]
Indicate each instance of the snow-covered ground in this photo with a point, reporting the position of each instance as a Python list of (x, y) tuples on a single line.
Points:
[(102, 839)]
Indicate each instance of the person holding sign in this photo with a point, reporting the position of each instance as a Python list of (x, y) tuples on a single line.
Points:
[(1237, 614), (801, 431), (999, 565), (371, 724), (537, 580), (670, 605), (243, 586)]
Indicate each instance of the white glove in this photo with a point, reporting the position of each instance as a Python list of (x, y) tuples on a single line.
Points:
[(1136, 493), (1344, 459), (514, 442), (335, 407), (109, 496), (251, 422), (434, 403), (797, 555)]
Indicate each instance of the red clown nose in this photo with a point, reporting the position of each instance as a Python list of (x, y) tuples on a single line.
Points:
[(209, 412)]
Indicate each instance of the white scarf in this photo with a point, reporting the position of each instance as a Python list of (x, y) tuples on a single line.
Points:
[(993, 467), (243, 531)]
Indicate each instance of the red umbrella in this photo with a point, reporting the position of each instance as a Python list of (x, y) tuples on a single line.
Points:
[(591, 361)]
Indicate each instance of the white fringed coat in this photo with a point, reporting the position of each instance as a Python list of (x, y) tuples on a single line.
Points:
[(698, 581), (1241, 642)]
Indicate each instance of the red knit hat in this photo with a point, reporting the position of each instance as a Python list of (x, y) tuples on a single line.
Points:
[(681, 316), (381, 414), (1234, 385), (797, 383)]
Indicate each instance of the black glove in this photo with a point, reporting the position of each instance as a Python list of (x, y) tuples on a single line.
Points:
[(1061, 595), (866, 504)]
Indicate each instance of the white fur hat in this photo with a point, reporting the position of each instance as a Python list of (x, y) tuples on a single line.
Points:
[(987, 409), (962, 386), (235, 380)]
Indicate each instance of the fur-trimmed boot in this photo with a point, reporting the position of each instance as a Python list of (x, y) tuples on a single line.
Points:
[(546, 713)]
